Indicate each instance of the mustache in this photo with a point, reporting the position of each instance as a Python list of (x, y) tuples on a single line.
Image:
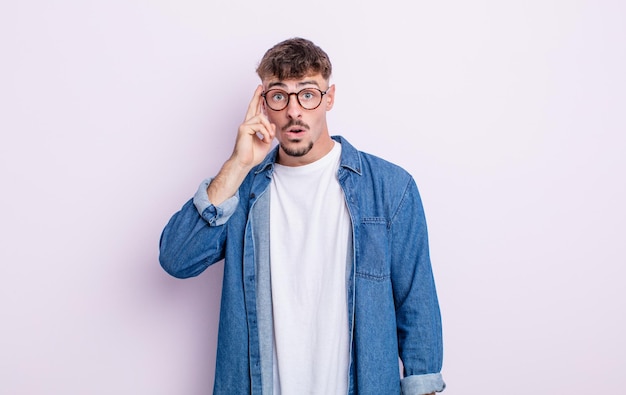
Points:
[(295, 122)]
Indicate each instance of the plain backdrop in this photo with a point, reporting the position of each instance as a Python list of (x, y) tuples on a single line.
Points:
[(511, 116)]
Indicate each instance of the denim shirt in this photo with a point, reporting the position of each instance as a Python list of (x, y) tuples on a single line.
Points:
[(393, 309)]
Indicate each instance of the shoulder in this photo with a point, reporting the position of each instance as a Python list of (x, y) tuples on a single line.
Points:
[(384, 175), (369, 165), (382, 167)]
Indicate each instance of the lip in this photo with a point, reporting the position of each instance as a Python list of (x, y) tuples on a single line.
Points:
[(294, 131)]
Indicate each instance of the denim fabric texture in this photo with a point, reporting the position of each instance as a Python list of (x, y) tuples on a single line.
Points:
[(392, 307)]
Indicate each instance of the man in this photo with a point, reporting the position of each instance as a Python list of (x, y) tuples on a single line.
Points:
[(327, 275)]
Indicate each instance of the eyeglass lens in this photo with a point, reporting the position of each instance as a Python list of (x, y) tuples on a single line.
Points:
[(278, 99)]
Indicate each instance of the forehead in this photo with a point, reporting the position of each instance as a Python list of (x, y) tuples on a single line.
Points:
[(314, 80)]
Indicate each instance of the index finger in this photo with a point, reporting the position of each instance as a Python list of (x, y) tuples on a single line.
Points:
[(254, 108)]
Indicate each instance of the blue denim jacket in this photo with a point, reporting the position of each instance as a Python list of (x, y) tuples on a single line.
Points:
[(392, 302)]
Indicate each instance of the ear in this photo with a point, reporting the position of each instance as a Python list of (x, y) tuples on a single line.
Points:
[(329, 98)]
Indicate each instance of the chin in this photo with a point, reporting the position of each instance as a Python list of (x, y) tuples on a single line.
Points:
[(298, 149)]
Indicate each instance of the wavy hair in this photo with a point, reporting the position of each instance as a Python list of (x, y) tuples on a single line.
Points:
[(294, 58)]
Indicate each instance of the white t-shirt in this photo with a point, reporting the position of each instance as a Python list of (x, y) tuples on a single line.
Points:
[(309, 234)]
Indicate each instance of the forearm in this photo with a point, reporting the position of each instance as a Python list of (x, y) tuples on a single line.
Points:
[(227, 181)]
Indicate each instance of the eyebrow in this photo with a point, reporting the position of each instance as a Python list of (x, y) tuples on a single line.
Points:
[(283, 85)]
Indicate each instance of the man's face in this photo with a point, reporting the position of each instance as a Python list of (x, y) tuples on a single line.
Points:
[(301, 133)]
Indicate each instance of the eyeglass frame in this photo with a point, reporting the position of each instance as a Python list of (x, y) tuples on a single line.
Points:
[(264, 95)]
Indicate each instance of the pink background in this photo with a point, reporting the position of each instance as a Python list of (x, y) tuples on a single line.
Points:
[(510, 115)]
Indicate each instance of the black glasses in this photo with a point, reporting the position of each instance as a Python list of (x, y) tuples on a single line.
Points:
[(308, 98)]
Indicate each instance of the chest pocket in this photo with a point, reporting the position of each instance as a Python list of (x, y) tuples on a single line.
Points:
[(373, 250)]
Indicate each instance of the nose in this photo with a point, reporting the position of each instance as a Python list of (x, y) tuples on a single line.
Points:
[(294, 110)]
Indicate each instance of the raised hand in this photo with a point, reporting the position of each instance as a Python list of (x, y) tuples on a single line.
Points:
[(254, 140), (255, 135)]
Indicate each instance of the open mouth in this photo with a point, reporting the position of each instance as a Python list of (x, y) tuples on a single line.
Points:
[(295, 130), (295, 127)]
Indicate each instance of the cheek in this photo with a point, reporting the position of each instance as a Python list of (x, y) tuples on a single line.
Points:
[(318, 118)]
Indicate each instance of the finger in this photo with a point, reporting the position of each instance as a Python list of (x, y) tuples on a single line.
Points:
[(258, 119), (263, 133), (263, 122), (253, 107), (270, 127), (253, 127), (262, 128), (260, 107)]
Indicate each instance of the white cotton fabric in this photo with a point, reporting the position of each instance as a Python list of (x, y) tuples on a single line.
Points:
[(309, 234)]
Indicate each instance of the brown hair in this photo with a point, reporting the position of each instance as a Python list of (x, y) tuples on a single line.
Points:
[(294, 58)]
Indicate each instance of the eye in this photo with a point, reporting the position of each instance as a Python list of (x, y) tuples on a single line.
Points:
[(278, 96), (308, 95)]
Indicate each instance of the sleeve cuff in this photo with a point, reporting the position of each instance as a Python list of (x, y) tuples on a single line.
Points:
[(214, 215), (422, 384)]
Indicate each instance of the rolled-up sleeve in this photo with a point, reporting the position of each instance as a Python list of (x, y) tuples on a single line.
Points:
[(214, 215), (194, 237), (421, 384)]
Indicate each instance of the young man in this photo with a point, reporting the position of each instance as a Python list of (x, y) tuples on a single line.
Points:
[(327, 275)]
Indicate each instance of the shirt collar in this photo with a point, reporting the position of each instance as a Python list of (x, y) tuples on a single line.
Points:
[(350, 158)]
